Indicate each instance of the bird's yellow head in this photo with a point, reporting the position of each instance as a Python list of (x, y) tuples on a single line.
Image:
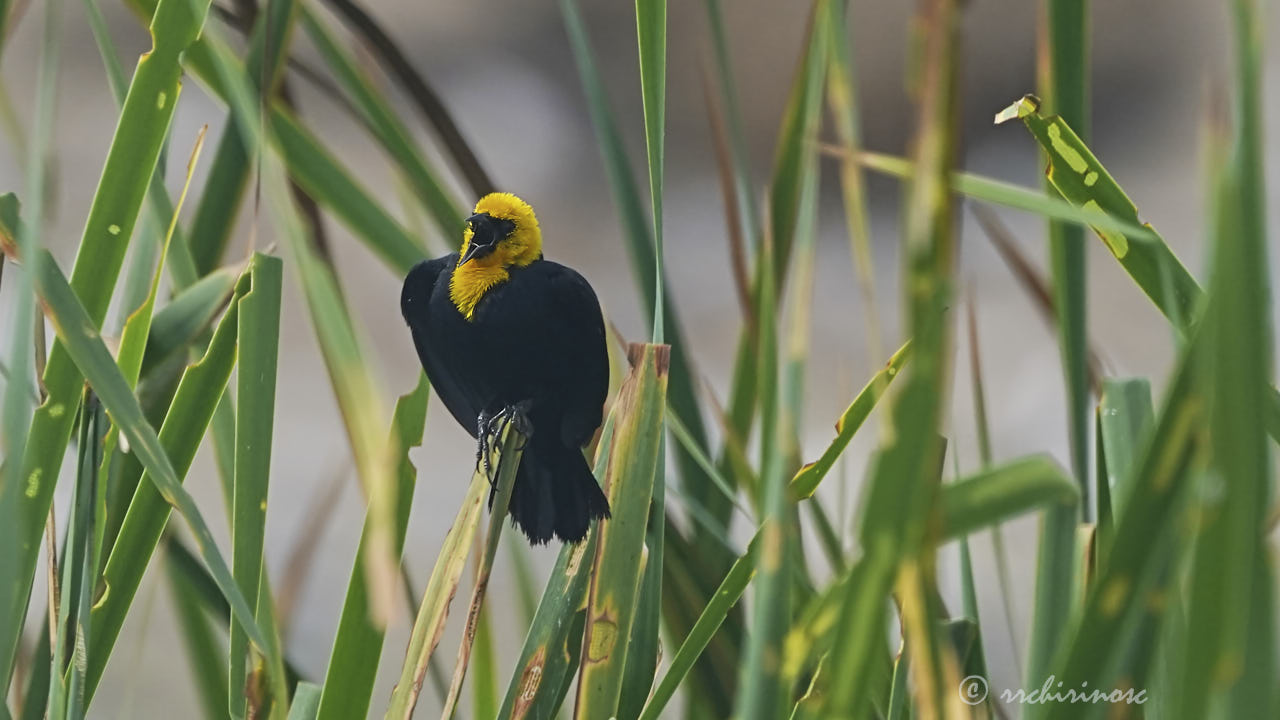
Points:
[(503, 233)]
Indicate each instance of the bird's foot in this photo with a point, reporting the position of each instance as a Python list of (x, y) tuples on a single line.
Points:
[(490, 428)]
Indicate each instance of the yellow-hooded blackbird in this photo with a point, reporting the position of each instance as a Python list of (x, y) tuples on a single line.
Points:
[(502, 332)]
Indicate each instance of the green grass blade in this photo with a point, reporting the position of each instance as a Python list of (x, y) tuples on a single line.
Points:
[(79, 570), (313, 168), (306, 702), (761, 690), (1055, 602), (619, 560), (708, 555), (140, 531), (651, 36), (317, 172), (229, 173), (1096, 641), (353, 664), (1002, 492), (508, 462), (807, 479), (187, 317), (257, 350), (795, 146), (640, 248), (746, 194), (901, 485), (397, 65), (484, 683), (137, 328), (526, 592), (1066, 84), (147, 336), (552, 647), (181, 266), (387, 128), (1231, 541), (20, 533), (429, 624), (1126, 415), (726, 596), (139, 135), (842, 100), (1078, 175), (73, 325), (998, 192), (204, 650), (642, 651)]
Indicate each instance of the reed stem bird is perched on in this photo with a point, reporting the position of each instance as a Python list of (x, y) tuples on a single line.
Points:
[(505, 334)]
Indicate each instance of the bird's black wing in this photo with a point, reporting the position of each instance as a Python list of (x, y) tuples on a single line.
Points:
[(415, 305), (579, 327)]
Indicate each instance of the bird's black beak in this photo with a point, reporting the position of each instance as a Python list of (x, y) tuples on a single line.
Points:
[(486, 232)]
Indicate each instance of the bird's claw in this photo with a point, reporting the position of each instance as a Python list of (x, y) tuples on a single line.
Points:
[(490, 427)]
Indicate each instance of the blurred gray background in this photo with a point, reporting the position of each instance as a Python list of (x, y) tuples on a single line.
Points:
[(505, 71)]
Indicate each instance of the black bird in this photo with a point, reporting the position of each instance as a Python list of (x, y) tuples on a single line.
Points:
[(502, 332)]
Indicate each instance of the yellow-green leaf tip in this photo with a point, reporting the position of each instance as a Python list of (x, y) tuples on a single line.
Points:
[(1024, 106)]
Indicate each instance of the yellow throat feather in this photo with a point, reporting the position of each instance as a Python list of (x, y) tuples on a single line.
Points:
[(478, 276)]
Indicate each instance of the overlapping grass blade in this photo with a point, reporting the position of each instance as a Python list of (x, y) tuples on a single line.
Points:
[(74, 326), (1003, 491), (762, 692), (257, 350), (320, 174), (353, 664), (20, 531), (744, 568), (806, 480), (842, 100), (229, 173), (385, 49), (308, 163), (139, 134), (640, 247), (484, 683), (707, 555), (1066, 84), (796, 141), (513, 444), (432, 613), (552, 648), (1131, 575), (187, 317), (204, 651), (135, 340), (999, 192), (737, 145), (759, 690), (79, 570), (642, 653), (903, 480), (388, 129), (986, 457), (1231, 546), (1078, 175), (691, 648), (306, 702), (619, 561), (1125, 417)]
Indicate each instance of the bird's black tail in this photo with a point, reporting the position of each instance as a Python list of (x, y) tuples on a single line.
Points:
[(555, 494)]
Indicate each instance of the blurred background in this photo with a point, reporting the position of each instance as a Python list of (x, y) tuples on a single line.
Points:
[(505, 72)]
